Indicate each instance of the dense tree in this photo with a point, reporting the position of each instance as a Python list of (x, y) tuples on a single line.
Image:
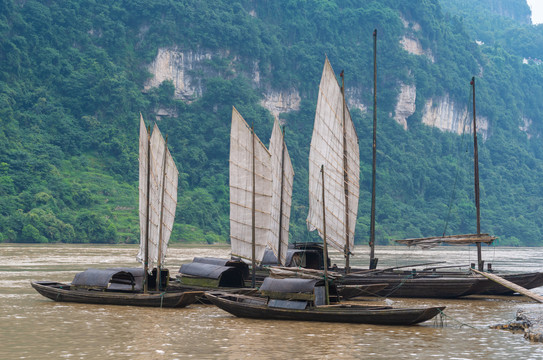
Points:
[(71, 81)]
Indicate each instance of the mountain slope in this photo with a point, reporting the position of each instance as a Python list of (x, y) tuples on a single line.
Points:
[(75, 75)]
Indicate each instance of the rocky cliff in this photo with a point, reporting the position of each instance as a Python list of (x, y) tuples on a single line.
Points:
[(187, 69)]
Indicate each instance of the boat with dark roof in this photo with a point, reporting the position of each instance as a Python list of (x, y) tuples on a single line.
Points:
[(305, 300), (121, 286)]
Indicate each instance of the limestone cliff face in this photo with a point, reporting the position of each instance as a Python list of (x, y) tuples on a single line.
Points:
[(410, 42), (353, 98), (405, 107), (280, 102), (525, 126), (444, 114), (179, 67), (186, 69)]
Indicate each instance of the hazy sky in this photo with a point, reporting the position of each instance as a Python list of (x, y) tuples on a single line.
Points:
[(537, 11)]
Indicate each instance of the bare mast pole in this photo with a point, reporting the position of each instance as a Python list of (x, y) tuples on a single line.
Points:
[(345, 180), (373, 260), (476, 178)]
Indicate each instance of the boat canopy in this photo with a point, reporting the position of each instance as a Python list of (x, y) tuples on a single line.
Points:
[(211, 275), (237, 263), (296, 289), (108, 279), (289, 285), (306, 258)]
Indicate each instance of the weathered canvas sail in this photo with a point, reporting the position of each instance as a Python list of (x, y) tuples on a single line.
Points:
[(247, 150), (143, 181), (159, 196), (282, 175), (329, 143)]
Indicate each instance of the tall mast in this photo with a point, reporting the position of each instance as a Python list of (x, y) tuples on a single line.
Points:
[(281, 198), (253, 220), (476, 177), (146, 258), (325, 246), (373, 260), (160, 250), (345, 179)]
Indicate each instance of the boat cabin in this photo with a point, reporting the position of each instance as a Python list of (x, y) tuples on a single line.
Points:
[(214, 273), (109, 279), (306, 255), (297, 293), (117, 279)]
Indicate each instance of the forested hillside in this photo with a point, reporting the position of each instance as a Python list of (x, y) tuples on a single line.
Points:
[(74, 76)]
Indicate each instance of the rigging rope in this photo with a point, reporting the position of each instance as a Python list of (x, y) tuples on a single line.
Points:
[(453, 192), (455, 320)]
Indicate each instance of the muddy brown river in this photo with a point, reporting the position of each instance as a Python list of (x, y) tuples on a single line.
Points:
[(33, 327)]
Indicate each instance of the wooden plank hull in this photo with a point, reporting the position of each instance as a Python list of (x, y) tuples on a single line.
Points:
[(418, 287), (65, 293), (441, 284), (255, 307)]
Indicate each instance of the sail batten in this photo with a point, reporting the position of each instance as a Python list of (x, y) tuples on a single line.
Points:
[(242, 142), (340, 158)]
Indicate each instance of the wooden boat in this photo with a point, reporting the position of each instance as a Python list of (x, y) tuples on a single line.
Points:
[(418, 285), (146, 286), (303, 300), (117, 286), (485, 286)]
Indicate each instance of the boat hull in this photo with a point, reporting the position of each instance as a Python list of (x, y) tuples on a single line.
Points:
[(255, 307), (418, 287), (66, 293), (441, 284)]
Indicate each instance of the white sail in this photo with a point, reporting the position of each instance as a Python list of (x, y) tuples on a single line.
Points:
[(242, 142), (282, 175), (341, 175), (143, 172), (162, 198)]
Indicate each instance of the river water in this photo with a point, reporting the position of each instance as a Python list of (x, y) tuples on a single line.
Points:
[(33, 327)]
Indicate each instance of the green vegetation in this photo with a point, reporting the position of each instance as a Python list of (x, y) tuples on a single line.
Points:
[(71, 81)]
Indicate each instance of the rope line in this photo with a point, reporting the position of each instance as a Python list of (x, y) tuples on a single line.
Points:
[(457, 175)]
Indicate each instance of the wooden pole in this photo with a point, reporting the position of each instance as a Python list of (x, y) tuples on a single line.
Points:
[(279, 247), (146, 256), (253, 220), (373, 261), (512, 286), (325, 246), (345, 181), (476, 178), (159, 252)]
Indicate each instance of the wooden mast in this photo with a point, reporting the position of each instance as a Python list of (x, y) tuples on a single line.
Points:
[(281, 198), (159, 250), (373, 260), (253, 234), (345, 179), (324, 245), (476, 178), (146, 257)]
